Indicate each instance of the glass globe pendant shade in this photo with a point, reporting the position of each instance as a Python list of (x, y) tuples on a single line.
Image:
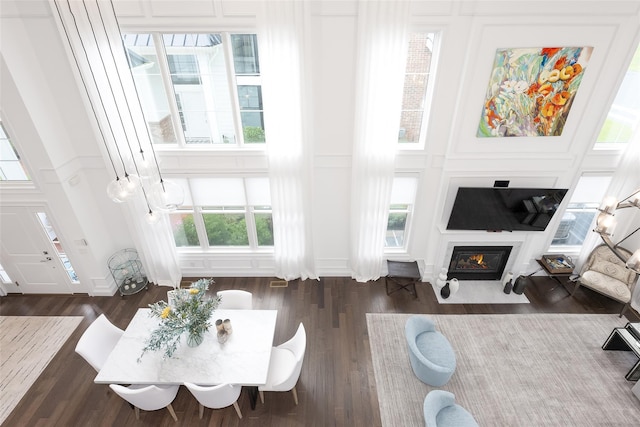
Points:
[(152, 217), (117, 191), (167, 196), (132, 183)]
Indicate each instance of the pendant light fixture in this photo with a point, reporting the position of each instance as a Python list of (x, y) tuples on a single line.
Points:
[(159, 195), (165, 196)]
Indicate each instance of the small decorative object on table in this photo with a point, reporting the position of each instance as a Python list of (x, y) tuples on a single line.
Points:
[(190, 312), (224, 330), (558, 264)]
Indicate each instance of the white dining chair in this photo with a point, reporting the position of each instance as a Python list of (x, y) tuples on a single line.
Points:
[(285, 365), (235, 299), (97, 342), (216, 397), (148, 397)]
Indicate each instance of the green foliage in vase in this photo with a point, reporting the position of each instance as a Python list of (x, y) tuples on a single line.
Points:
[(190, 313)]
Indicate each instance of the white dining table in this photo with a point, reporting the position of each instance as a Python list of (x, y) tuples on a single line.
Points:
[(243, 359)]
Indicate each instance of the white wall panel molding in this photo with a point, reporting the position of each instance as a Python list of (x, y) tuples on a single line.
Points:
[(101, 287), (488, 36), (24, 9), (510, 8), (432, 8), (184, 8)]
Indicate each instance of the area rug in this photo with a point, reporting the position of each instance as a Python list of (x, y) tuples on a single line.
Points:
[(481, 292), (512, 370), (27, 345)]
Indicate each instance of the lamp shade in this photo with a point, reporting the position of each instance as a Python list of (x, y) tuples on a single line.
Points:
[(609, 204), (121, 189), (605, 224)]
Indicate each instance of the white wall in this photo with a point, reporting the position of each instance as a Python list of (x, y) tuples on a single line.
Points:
[(471, 32)]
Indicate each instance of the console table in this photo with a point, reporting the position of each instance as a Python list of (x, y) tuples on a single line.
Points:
[(404, 274), (626, 339), (554, 272)]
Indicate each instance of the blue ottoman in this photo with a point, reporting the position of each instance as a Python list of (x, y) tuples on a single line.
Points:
[(441, 410), (430, 353)]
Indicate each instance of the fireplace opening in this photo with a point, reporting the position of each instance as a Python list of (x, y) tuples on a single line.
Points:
[(478, 262)]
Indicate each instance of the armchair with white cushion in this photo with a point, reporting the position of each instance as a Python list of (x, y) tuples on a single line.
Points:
[(607, 274), (285, 365)]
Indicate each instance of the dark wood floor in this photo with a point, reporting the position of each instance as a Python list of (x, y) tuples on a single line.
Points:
[(336, 387)]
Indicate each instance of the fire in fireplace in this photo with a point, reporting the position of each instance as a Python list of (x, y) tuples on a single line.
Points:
[(478, 262)]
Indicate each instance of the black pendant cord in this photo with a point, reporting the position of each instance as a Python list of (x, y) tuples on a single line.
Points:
[(84, 83), (153, 151), (126, 99), (109, 84), (146, 199)]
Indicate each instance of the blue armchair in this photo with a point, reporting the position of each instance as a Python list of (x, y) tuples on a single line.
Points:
[(430, 353), (441, 410)]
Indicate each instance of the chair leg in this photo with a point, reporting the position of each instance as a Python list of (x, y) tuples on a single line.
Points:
[(577, 285), (201, 410), (295, 394), (261, 396), (235, 405), (626, 306), (172, 412)]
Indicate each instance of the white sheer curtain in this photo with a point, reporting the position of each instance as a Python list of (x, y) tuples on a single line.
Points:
[(285, 86), (91, 28), (382, 48)]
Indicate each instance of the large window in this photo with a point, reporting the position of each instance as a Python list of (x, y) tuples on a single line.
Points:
[(624, 115), (198, 89), (11, 168), (582, 208), (224, 213), (403, 197), (418, 85)]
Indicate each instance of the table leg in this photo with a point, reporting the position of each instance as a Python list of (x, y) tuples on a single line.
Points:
[(560, 283), (253, 395)]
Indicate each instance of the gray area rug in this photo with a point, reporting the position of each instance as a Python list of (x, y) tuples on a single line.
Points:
[(27, 345), (512, 370)]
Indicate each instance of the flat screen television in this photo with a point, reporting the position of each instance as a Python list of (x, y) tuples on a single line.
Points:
[(504, 208)]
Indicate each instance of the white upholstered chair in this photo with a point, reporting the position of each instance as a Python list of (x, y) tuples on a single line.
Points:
[(235, 299), (285, 365), (148, 397), (216, 397), (97, 342), (607, 274)]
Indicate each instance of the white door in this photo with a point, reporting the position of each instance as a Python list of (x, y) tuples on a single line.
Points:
[(28, 254)]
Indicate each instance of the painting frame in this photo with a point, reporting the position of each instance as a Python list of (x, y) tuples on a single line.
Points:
[(531, 91)]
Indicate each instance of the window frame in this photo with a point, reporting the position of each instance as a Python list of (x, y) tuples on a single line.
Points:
[(429, 91), (619, 146), (248, 210), (575, 249), (234, 80), (409, 210), (11, 140)]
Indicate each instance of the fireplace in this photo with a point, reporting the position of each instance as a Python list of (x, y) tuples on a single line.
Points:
[(478, 262)]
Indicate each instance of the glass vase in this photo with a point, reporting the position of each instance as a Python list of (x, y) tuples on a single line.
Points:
[(194, 339)]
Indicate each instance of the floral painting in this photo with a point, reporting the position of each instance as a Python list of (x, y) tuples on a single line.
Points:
[(531, 91)]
